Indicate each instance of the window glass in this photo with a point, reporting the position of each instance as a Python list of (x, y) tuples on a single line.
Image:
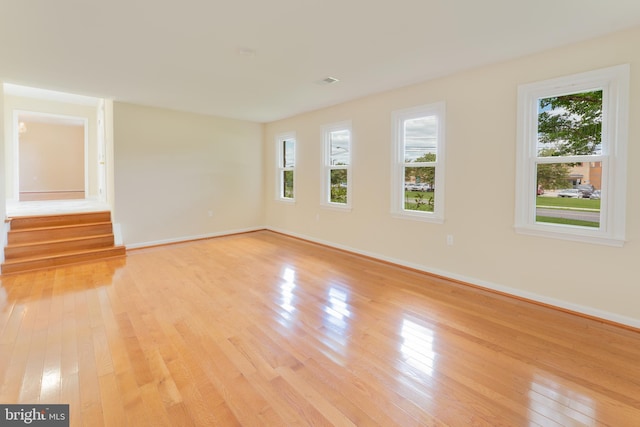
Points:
[(562, 198), (420, 139), (419, 192), (570, 125), (338, 186), (568, 193), (287, 184), (340, 147), (288, 152)]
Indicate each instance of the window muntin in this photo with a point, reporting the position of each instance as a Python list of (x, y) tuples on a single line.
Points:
[(286, 144), (336, 190), (418, 163), (571, 171)]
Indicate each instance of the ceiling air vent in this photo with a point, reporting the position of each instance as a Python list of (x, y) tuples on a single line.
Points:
[(328, 81)]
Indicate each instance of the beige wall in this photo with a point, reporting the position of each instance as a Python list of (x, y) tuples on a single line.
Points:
[(181, 175), (481, 142), (16, 103), (3, 233), (51, 157)]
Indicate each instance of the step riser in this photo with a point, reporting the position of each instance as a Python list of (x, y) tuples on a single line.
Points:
[(49, 241), (19, 267), (47, 234), (54, 248), (26, 222)]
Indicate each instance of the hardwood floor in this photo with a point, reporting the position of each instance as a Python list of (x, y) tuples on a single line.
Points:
[(264, 330)]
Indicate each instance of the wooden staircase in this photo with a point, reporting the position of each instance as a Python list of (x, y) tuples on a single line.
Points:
[(46, 241)]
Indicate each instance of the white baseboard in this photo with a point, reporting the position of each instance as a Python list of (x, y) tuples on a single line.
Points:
[(3, 239), (576, 308), (189, 238)]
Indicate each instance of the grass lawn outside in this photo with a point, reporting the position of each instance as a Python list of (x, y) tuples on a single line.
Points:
[(410, 202), (414, 207), (541, 201), (566, 202), (567, 221)]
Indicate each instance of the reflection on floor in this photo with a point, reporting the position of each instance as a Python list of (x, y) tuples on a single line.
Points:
[(46, 207)]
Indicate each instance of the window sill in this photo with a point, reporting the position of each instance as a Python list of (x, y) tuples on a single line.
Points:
[(571, 235)]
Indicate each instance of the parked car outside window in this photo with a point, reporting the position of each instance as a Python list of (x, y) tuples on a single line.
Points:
[(585, 190), (570, 192), (417, 186)]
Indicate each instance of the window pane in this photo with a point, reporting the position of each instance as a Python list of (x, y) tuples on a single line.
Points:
[(420, 139), (569, 193), (288, 153), (340, 140), (424, 176), (287, 184), (570, 125), (338, 186), (419, 191)]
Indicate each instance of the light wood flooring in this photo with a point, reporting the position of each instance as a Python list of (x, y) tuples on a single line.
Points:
[(260, 329), (50, 207)]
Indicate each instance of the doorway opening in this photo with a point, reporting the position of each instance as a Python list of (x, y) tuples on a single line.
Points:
[(51, 156), (56, 161)]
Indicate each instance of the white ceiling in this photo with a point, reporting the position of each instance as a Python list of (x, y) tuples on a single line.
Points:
[(191, 55)]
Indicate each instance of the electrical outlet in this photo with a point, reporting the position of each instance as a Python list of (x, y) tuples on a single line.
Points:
[(449, 239), (210, 213)]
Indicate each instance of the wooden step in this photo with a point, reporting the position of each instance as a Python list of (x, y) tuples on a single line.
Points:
[(32, 235), (42, 248), (49, 241), (37, 263), (40, 221)]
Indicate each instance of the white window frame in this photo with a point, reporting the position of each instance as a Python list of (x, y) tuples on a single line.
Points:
[(281, 168), (398, 163), (326, 202), (614, 82)]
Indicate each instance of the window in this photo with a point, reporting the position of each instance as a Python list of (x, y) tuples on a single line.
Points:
[(571, 164), (418, 163), (286, 167), (336, 182)]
